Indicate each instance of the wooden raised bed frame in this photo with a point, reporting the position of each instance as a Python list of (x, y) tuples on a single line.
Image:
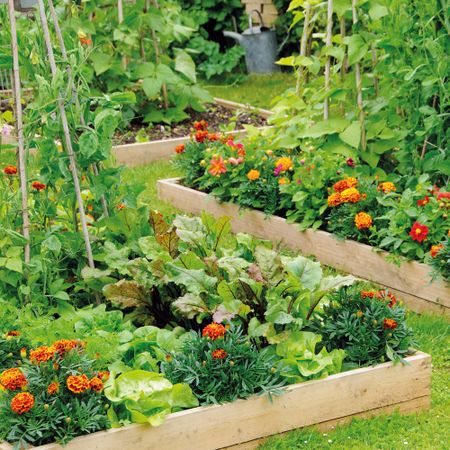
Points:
[(411, 281), (142, 153), (243, 424)]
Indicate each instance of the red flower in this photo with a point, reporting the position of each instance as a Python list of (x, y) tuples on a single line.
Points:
[(85, 41), (121, 206), (214, 137), (443, 195), (10, 170), (219, 354), (201, 126), (13, 333), (435, 249), (350, 162), (179, 149), (423, 201), (386, 295), (38, 186), (418, 232), (22, 402), (201, 136), (390, 324), (367, 294), (217, 166)]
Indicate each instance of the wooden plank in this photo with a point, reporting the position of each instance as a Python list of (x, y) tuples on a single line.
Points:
[(411, 281), (331, 399), (265, 113)]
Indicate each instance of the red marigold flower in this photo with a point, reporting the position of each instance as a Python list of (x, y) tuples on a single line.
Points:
[(219, 354), (53, 388), (214, 137), (13, 333), (96, 384), (38, 186), (435, 249), (78, 383), (368, 294), (13, 379), (423, 201), (418, 232), (214, 331), (10, 170), (443, 196), (201, 126), (85, 41), (201, 136), (217, 166), (386, 295), (22, 403), (179, 149), (42, 354), (390, 324)]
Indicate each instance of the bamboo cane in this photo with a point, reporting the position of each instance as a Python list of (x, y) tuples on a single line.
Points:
[(303, 44), (374, 63), (64, 55), (358, 81), (19, 128), (326, 105), (69, 148)]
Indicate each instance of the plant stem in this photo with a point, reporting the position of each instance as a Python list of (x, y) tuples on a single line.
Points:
[(326, 105), (303, 44)]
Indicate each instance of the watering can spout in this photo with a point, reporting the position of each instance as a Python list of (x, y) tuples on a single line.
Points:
[(233, 35)]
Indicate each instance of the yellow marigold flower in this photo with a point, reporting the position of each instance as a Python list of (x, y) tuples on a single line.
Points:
[(363, 220), (284, 163), (283, 180), (253, 175), (345, 184), (350, 195), (387, 187), (334, 199)]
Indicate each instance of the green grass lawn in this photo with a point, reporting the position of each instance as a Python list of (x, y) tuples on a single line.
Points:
[(255, 90), (426, 430)]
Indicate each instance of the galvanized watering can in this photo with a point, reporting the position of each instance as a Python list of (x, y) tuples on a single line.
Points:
[(260, 44)]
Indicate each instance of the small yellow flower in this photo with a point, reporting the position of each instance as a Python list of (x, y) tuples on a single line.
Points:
[(253, 175)]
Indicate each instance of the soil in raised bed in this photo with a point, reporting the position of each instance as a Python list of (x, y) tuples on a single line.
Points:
[(217, 117)]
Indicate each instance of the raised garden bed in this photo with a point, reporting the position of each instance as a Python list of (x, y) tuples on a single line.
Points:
[(328, 402), (411, 281), (142, 153)]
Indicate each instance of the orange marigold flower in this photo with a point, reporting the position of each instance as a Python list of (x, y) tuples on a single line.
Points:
[(387, 187), (253, 174), (201, 126), (283, 180), (214, 331), (219, 354), (214, 137), (217, 166), (345, 184), (78, 383), (368, 294), (121, 206), (435, 249), (201, 136), (13, 379), (22, 403), (334, 199), (13, 333), (103, 375), (23, 353), (53, 388), (443, 196), (423, 201), (10, 170), (363, 221), (42, 354), (386, 295), (418, 232), (350, 195), (38, 186), (96, 384), (180, 148), (389, 324), (85, 41), (285, 163), (65, 345)]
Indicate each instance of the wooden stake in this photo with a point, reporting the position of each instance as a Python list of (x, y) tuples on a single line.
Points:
[(19, 127), (120, 10), (303, 44), (358, 80), (64, 55), (374, 64), (68, 146), (326, 105)]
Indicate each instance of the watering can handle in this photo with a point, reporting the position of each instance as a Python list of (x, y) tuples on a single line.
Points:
[(250, 23)]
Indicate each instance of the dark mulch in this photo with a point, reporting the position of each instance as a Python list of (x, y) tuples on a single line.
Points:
[(217, 117)]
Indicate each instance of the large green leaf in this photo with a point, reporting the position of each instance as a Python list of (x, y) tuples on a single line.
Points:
[(307, 272), (101, 61), (357, 48), (195, 281), (185, 65), (352, 134), (152, 87)]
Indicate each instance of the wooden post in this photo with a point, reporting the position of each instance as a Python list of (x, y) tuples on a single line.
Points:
[(303, 44), (358, 80), (19, 127), (326, 105), (64, 55), (68, 142), (120, 10)]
